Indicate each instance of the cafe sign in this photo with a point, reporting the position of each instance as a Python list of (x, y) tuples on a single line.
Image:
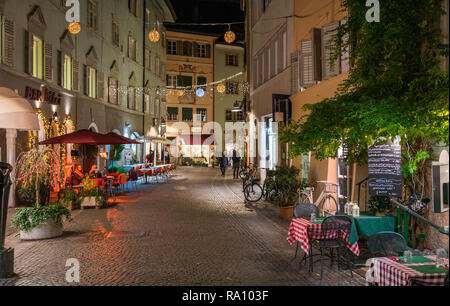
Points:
[(45, 95)]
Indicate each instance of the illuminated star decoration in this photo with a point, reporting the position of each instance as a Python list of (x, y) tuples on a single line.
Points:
[(74, 28)]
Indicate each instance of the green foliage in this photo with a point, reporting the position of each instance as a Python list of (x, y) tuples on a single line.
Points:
[(117, 152), (28, 194), (411, 166), (395, 85), (27, 218), (287, 184), (379, 204)]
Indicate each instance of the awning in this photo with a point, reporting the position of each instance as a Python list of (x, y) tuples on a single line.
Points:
[(198, 140), (89, 137), (16, 112), (159, 140)]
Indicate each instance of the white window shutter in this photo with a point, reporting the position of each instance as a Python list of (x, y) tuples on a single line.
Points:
[(295, 72), (328, 33), (345, 56), (101, 85), (306, 64), (8, 58), (48, 60)]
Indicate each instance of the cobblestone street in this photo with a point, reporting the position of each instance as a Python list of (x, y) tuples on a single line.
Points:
[(193, 230)]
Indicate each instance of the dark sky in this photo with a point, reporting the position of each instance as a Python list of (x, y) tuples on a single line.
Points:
[(209, 11)]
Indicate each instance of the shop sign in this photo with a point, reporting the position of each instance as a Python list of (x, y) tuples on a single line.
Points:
[(45, 96)]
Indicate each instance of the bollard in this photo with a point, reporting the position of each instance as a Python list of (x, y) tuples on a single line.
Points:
[(6, 255)]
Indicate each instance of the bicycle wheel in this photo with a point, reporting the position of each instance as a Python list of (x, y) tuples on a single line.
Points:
[(328, 206), (303, 198), (253, 192), (242, 174)]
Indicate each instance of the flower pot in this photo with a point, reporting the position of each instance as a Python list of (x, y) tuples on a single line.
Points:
[(286, 212), (44, 231), (88, 202)]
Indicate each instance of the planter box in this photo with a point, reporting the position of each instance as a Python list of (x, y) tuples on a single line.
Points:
[(43, 231), (88, 202)]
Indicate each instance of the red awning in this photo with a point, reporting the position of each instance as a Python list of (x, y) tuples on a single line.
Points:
[(198, 139), (88, 137)]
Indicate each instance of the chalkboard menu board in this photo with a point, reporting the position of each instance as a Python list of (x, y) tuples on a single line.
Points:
[(385, 170)]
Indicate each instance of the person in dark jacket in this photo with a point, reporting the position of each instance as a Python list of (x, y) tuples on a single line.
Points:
[(236, 164), (223, 162)]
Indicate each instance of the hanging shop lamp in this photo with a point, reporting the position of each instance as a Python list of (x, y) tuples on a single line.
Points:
[(200, 92), (229, 35), (74, 28), (154, 36), (221, 88)]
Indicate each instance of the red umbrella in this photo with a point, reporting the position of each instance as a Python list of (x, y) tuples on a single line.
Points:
[(88, 137)]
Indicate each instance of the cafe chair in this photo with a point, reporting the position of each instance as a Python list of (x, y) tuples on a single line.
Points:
[(304, 211), (335, 229), (385, 244)]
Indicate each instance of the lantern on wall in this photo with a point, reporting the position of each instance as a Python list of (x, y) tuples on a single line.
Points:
[(74, 28), (221, 88), (229, 35), (154, 36)]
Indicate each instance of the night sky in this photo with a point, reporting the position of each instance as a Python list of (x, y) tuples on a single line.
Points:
[(209, 11)]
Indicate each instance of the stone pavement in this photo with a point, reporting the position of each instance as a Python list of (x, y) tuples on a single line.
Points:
[(193, 230)]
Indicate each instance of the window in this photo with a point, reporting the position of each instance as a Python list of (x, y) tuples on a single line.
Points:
[(201, 81), (68, 72), (201, 114), (132, 49), (233, 116), (172, 113), (132, 4), (132, 98), (92, 14), (38, 51), (113, 88), (92, 82), (201, 50), (115, 33), (232, 88), (172, 47), (187, 114), (171, 81), (184, 81), (231, 60), (147, 58)]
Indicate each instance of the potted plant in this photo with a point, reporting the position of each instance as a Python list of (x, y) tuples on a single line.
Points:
[(379, 205), (69, 198), (287, 184), (39, 172), (91, 195)]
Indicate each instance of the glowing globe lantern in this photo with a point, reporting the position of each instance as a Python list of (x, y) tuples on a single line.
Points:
[(200, 92), (221, 88), (154, 36), (74, 28), (179, 93), (229, 36)]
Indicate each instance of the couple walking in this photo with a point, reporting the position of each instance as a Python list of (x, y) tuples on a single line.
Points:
[(223, 163)]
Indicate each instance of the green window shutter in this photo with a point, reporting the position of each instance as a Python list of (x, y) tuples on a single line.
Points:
[(208, 51), (196, 51), (187, 48)]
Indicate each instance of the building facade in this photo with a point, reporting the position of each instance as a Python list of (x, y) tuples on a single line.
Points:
[(92, 80), (190, 94), (228, 62)]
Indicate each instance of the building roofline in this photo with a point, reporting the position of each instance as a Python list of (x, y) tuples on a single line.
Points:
[(171, 9)]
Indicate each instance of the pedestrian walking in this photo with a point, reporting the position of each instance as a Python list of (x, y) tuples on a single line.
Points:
[(236, 164), (223, 163)]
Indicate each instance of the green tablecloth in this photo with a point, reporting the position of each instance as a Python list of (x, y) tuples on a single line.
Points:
[(416, 259), (429, 269)]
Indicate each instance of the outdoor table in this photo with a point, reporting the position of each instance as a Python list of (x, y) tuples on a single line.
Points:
[(145, 170), (393, 271), (298, 231)]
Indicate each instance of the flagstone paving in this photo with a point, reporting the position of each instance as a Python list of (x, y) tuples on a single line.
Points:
[(193, 230)]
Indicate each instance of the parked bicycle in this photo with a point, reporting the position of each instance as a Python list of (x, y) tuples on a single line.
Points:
[(326, 202), (253, 192), (270, 193)]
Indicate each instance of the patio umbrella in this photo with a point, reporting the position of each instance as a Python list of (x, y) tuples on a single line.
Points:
[(120, 139), (89, 137)]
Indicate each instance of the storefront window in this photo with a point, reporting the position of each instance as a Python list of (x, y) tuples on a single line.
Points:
[(37, 57), (67, 72)]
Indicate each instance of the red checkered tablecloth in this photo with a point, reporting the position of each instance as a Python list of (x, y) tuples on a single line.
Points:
[(298, 232), (384, 271)]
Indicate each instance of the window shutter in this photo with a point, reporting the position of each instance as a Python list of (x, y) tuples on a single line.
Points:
[(86, 81), (328, 32), (187, 48), (295, 72), (208, 51), (306, 64), (345, 56), (60, 65), (48, 62), (317, 53), (179, 47), (76, 73), (101, 85), (28, 52), (8, 58), (196, 51)]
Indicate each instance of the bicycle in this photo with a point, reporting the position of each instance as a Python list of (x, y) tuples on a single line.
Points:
[(326, 203), (244, 171), (253, 192), (269, 193)]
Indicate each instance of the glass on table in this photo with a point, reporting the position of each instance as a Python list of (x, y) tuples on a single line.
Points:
[(313, 217), (441, 256), (407, 256)]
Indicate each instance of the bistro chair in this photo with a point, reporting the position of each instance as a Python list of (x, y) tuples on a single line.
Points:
[(335, 229), (304, 211), (388, 244)]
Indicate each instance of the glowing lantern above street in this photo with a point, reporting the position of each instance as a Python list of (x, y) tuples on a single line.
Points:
[(200, 92), (179, 93), (74, 28), (154, 36), (221, 88), (229, 36)]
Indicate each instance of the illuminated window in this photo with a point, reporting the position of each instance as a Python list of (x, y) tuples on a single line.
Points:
[(171, 81), (231, 60), (68, 72), (172, 47), (201, 114), (38, 59)]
